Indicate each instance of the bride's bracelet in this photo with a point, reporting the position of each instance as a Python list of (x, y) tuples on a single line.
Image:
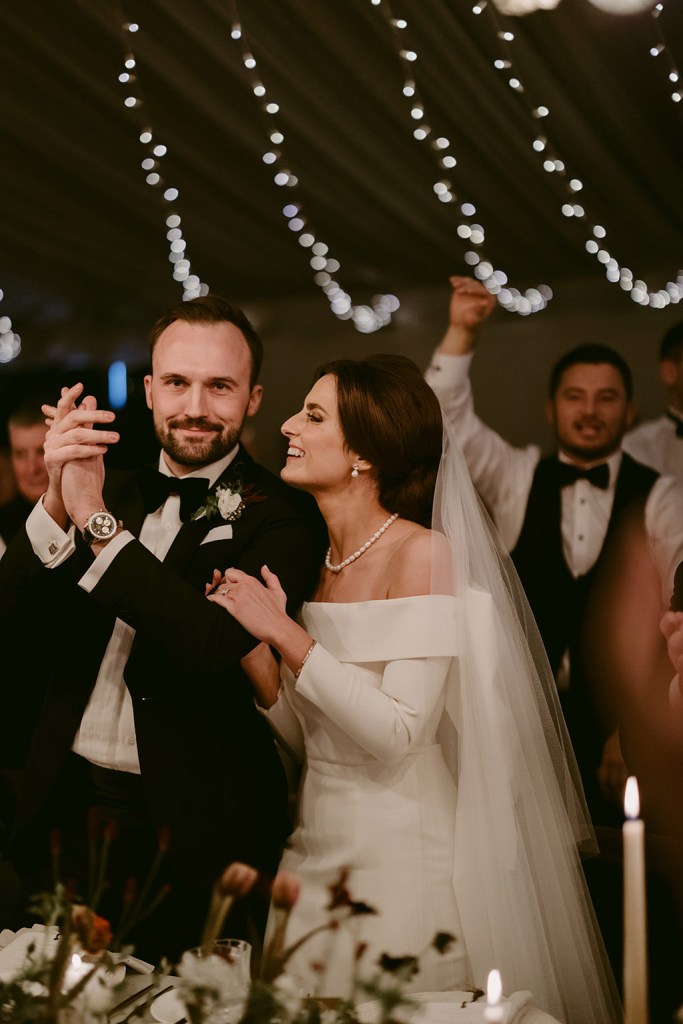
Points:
[(306, 656)]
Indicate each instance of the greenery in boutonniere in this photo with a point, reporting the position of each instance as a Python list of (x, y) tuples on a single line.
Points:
[(228, 501)]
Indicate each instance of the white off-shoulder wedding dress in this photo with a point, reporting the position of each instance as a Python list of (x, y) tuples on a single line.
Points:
[(376, 795), (431, 773)]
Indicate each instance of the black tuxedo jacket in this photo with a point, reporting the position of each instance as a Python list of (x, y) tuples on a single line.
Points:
[(18, 705), (209, 766)]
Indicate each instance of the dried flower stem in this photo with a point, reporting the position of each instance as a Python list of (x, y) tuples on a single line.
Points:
[(101, 873), (236, 882), (218, 911)]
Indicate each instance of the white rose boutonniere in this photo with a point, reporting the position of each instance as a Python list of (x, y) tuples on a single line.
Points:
[(229, 502)]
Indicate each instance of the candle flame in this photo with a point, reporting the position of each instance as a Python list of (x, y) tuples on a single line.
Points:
[(76, 960), (631, 798), (494, 988)]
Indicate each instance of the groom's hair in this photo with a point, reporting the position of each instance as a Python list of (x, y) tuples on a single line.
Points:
[(212, 309)]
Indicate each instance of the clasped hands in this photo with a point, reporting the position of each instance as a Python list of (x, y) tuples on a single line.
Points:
[(74, 450)]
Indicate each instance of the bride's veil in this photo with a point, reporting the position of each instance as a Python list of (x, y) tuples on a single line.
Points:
[(521, 820)]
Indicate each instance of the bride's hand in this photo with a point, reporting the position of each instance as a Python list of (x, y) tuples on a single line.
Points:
[(259, 607)]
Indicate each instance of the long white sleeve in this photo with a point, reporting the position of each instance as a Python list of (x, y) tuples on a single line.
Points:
[(501, 473), (283, 721), (387, 722)]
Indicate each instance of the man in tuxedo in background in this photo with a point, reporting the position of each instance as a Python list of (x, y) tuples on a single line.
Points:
[(574, 522), (557, 515), (149, 715)]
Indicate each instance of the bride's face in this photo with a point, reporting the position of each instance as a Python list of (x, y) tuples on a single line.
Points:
[(317, 456)]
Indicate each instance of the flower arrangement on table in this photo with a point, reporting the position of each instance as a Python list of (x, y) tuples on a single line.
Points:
[(276, 997), (69, 972), (68, 976)]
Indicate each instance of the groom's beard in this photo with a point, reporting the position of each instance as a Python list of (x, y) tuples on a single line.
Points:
[(199, 451)]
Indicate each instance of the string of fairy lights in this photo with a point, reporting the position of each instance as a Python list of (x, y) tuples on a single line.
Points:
[(155, 152), (662, 49), (531, 300), (326, 268), (495, 280), (10, 342), (571, 185)]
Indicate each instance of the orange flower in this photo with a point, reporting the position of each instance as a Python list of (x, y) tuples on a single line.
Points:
[(93, 932)]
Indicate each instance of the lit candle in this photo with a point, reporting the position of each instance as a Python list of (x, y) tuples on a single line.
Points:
[(494, 1012), (635, 915), (76, 970)]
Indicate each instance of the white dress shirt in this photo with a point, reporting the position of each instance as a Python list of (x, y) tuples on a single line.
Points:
[(503, 476), (657, 444), (106, 735)]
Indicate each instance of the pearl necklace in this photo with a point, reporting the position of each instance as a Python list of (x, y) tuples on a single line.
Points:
[(361, 550)]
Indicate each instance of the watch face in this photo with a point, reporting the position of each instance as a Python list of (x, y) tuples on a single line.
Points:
[(101, 525)]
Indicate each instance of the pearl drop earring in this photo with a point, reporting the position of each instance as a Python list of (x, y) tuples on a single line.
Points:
[(354, 471)]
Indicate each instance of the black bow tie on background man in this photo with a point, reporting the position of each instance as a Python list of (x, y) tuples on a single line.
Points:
[(678, 421), (155, 488), (568, 474)]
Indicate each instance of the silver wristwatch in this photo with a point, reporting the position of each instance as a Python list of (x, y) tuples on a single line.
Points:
[(101, 526)]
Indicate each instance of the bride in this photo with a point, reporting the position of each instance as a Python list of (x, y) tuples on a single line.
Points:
[(414, 690)]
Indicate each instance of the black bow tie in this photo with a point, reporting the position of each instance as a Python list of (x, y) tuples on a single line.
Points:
[(597, 475), (678, 422), (155, 488)]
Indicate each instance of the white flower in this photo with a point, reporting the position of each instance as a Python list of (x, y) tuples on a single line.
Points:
[(290, 993), (211, 981), (228, 501)]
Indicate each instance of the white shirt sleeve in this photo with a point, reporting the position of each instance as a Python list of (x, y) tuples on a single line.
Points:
[(664, 526), (387, 722), (501, 473), (50, 543), (104, 560)]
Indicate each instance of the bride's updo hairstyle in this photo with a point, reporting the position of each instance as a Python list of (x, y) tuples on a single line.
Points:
[(391, 417)]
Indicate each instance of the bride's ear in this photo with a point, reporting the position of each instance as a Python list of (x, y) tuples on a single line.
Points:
[(359, 465)]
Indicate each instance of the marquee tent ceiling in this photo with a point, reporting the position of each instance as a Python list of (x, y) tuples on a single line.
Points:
[(82, 236)]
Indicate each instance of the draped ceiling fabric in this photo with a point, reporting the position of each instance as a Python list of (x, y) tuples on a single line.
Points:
[(82, 237)]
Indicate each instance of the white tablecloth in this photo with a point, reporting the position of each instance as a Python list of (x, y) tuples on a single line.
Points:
[(521, 1009)]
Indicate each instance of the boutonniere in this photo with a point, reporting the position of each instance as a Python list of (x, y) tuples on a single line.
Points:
[(229, 502)]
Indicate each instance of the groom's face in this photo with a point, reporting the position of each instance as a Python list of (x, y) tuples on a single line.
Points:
[(199, 392)]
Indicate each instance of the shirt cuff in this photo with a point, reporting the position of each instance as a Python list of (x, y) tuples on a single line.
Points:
[(448, 370), (102, 562), (51, 544)]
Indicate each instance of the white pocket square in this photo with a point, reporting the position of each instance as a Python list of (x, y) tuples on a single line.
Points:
[(218, 533)]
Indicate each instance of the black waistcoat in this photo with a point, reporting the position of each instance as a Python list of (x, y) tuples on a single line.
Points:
[(557, 599)]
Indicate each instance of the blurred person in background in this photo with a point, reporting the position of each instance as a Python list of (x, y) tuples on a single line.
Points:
[(26, 429), (659, 442)]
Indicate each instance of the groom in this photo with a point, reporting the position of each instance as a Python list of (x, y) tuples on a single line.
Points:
[(149, 715)]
